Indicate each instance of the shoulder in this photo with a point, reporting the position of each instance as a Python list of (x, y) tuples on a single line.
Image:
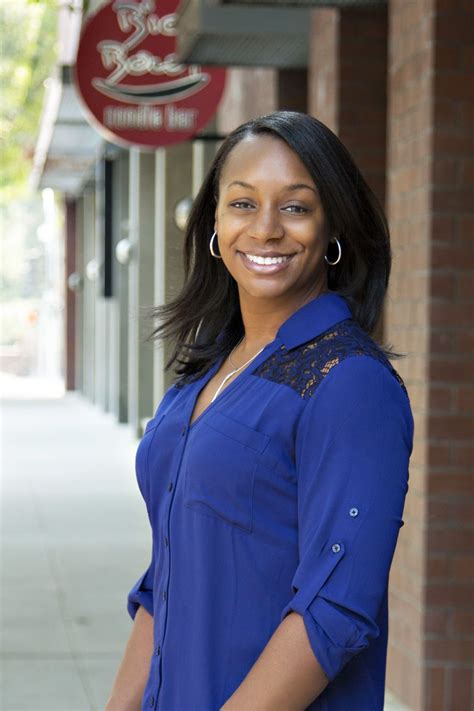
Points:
[(339, 357)]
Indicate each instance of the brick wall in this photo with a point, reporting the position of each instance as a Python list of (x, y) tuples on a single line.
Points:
[(347, 78), (249, 93), (428, 316)]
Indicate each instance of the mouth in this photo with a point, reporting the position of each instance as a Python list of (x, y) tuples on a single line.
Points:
[(265, 265)]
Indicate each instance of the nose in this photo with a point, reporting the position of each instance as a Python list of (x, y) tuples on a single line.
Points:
[(266, 224)]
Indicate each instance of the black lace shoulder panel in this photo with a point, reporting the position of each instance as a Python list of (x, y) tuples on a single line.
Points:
[(303, 368)]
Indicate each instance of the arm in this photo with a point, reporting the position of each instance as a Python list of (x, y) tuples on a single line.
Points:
[(285, 677), (132, 674), (352, 450)]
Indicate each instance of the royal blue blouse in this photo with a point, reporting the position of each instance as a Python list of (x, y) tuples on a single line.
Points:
[(286, 493)]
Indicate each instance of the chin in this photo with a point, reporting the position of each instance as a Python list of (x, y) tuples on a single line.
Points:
[(265, 291)]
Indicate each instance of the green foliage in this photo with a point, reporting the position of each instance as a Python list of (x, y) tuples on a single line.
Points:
[(28, 33)]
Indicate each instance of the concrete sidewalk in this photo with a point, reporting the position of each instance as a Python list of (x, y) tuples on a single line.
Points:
[(75, 537)]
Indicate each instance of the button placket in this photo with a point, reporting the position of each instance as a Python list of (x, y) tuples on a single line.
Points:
[(166, 541)]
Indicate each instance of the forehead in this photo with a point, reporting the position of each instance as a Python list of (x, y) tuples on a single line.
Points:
[(263, 155)]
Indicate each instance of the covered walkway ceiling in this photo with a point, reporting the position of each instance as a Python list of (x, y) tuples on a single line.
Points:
[(245, 32), (67, 145)]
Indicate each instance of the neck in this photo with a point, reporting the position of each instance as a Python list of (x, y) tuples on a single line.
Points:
[(263, 317)]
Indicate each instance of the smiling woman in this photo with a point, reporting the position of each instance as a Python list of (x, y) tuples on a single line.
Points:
[(280, 185), (276, 466), (270, 221)]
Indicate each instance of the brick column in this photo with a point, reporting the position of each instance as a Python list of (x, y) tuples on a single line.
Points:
[(347, 83), (347, 80), (428, 317)]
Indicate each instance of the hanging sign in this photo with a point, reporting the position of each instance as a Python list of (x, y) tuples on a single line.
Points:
[(135, 91)]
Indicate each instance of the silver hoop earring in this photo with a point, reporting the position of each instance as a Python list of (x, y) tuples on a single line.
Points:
[(211, 247), (332, 264)]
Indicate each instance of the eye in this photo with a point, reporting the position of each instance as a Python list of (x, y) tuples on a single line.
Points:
[(296, 209), (241, 204)]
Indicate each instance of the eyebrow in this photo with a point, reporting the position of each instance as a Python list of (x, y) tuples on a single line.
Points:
[(294, 186)]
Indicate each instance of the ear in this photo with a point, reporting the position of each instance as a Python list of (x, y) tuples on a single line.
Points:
[(215, 219)]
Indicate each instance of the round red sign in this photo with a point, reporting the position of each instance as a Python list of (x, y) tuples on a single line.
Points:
[(135, 91)]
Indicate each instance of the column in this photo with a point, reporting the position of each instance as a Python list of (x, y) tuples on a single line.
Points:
[(429, 317), (141, 291)]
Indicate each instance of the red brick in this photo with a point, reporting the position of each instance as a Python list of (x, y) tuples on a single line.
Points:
[(453, 256), (466, 229), (464, 398), (466, 173), (451, 427), (455, 86), (442, 341), (467, 56), (461, 623), (441, 398), (445, 369), (464, 286), (465, 341), (439, 455), (446, 539), (436, 688), (462, 566), (453, 25), (451, 484), (451, 144), (438, 566), (436, 622), (445, 172), (449, 650), (443, 227), (455, 510), (461, 694), (449, 314), (462, 456)]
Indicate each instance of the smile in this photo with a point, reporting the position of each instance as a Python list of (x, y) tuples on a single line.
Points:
[(266, 265), (267, 260)]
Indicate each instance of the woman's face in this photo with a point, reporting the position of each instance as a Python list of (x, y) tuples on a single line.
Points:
[(269, 207)]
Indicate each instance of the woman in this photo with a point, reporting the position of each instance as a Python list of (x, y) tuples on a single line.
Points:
[(275, 468)]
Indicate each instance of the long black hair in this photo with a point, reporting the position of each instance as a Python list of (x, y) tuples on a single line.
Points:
[(204, 321)]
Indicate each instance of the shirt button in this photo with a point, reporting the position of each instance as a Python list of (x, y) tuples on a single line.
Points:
[(170, 486), (353, 512), (158, 651), (336, 548), (166, 541), (164, 595), (183, 431), (152, 700)]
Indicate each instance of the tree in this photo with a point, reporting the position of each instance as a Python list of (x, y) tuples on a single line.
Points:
[(28, 32)]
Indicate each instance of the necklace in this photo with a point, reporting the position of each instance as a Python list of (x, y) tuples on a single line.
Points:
[(235, 369), (233, 349)]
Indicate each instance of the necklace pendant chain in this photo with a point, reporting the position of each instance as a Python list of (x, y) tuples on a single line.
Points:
[(232, 372)]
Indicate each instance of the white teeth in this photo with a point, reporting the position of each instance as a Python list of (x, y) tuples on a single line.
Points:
[(266, 260)]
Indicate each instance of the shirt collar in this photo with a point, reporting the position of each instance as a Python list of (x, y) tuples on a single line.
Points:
[(312, 319)]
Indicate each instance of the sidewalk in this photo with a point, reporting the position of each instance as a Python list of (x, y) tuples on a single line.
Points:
[(75, 537)]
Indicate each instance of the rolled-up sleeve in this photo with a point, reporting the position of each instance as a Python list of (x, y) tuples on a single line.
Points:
[(142, 592), (353, 447)]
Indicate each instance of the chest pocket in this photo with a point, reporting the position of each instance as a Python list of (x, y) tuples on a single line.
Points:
[(222, 458)]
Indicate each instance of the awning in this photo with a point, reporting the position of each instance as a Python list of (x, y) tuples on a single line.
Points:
[(258, 33), (242, 36), (67, 145)]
